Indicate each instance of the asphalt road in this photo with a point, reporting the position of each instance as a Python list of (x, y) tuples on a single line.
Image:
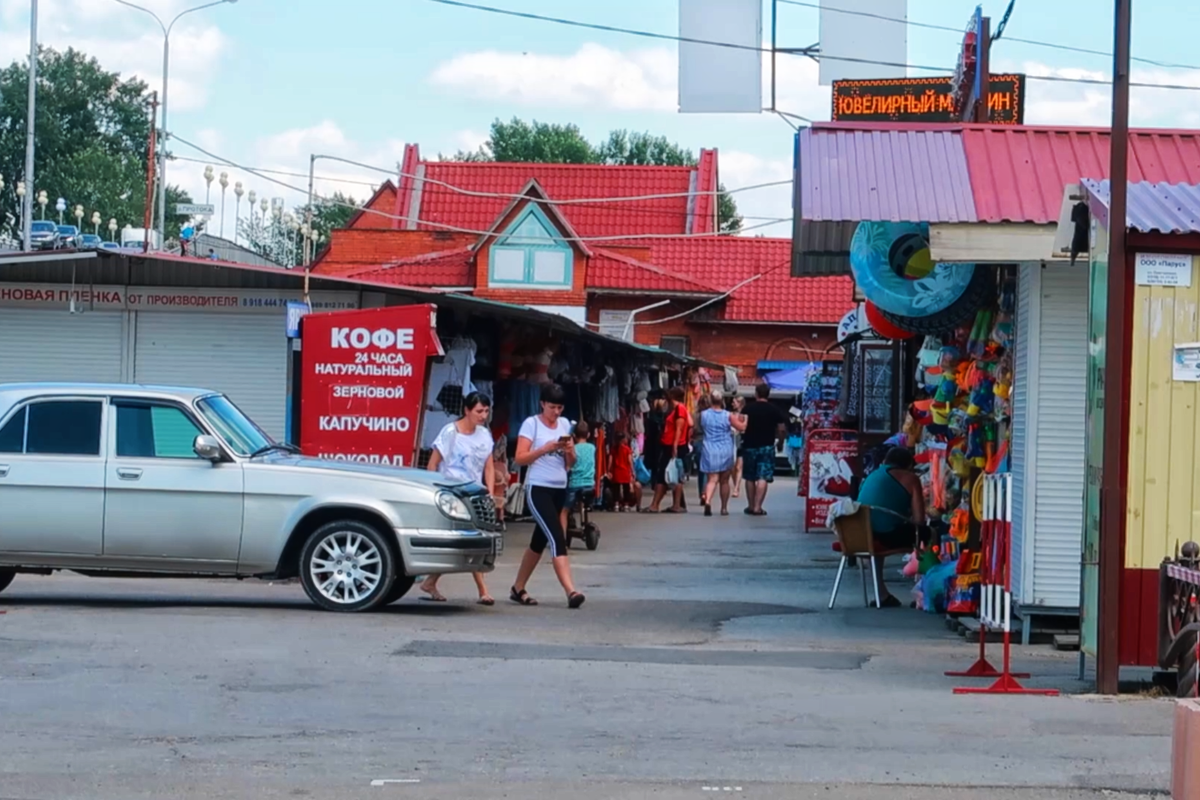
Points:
[(704, 662)]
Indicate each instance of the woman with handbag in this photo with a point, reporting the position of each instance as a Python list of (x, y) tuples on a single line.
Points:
[(673, 447), (463, 452)]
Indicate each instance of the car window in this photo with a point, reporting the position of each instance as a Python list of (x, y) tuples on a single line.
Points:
[(64, 428), (155, 431), (239, 431), (12, 435), (44, 226)]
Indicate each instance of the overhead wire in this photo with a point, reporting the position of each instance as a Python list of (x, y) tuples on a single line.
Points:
[(999, 31), (326, 178), (459, 229), (731, 45)]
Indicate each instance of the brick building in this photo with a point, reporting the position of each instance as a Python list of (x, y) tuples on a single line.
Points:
[(595, 243)]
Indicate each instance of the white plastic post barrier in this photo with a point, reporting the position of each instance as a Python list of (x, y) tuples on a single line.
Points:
[(995, 586)]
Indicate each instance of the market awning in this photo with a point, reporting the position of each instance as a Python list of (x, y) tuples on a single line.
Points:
[(768, 366)]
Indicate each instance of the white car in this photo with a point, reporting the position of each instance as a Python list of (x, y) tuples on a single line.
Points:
[(127, 481)]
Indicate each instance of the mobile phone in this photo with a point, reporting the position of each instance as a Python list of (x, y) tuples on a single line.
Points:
[(564, 439)]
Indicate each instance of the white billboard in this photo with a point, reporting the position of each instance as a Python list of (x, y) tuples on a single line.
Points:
[(714, 78), (871, 30)]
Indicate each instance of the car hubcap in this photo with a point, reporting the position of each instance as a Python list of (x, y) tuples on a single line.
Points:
[(346, 567)]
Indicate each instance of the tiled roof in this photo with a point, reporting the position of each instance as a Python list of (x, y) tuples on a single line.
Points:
[(618, 272), (442, 205), (850, 173), (723, 262), (451, 268), (1018, 173), (1155, 207)]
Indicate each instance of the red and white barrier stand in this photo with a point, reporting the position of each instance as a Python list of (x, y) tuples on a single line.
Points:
[(995, 591)]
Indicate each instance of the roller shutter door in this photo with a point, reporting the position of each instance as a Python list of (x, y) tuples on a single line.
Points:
[(37, 345), (241, 355)]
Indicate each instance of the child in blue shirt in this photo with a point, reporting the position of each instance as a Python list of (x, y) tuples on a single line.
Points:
[(581, 481)]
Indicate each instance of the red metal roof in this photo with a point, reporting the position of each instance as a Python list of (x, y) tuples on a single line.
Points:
[(618, 272), (724, 262), (883, 172), (1018, 174), (409, 258)]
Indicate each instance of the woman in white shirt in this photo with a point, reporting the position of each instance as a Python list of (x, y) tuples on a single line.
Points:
[(463, 452), (546, 447)]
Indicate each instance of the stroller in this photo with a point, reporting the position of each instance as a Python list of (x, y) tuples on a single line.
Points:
[(579, 523)]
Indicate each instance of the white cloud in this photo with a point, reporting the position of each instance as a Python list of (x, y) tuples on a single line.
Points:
[(123, 40), (593, 77), (1066, 103)]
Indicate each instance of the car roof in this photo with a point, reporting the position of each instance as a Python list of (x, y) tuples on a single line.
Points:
[(14, 392)]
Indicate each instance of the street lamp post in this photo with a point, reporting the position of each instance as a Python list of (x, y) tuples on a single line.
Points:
[(43, 199), (162, 167), (209, 175), (224, 181), (21, 190), (96, 223), (78, 214), (30, 126), (112, 229), (60, 205), (238, 191)]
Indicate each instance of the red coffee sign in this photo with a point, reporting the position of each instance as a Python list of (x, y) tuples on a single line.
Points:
[(363, 383)]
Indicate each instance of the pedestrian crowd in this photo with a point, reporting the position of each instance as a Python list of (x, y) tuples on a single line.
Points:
[(720, 445)]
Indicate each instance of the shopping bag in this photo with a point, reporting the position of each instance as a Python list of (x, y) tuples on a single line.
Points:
[(674, 472), (640, 472)]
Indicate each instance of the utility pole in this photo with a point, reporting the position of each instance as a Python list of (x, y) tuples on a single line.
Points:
[(1116, 367), (30, 127), (147, 217)]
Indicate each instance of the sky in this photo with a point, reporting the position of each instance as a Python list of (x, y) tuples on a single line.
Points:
[(264, 84)]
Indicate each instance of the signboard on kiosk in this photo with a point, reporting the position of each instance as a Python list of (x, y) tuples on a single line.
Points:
[(923, 100), (363, 379)]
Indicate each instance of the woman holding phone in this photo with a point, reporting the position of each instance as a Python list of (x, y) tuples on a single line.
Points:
[(545, 446)]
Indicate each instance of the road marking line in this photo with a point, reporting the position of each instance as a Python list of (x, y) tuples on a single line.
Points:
[(386, 781)]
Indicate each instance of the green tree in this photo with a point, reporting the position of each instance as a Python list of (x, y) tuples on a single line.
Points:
[(541, 142), (93, 132), (329, 213)]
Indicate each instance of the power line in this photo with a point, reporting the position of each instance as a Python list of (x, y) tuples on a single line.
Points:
[(458, 229), (688, 40), (287, 174), (999, 31)]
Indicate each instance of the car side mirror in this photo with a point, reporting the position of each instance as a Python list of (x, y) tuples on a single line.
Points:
[(207, 447)]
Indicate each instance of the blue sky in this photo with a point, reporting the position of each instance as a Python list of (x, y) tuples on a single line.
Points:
[(266, 82)]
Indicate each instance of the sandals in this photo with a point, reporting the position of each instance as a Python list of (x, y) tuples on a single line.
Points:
[(575, 600), (486, 601), (521, 598)]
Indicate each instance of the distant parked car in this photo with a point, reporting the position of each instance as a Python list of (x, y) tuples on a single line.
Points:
[(138, 480), (90, 241), (44, 235), (68, 236), (109, 246)]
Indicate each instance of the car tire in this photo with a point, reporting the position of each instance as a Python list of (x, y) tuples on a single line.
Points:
[(347, 566), (400, 587), (981, 289), (6, 577)]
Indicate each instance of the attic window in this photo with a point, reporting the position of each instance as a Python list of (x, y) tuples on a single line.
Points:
[(530, 254)]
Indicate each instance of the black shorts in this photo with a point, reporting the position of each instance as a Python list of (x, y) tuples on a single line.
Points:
[(902, 536), (546, 504)]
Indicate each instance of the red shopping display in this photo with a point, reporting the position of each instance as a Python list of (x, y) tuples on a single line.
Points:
[(363, 383), (829, 466)]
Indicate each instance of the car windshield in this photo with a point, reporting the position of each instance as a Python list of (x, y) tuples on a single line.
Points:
[(44, 227), (91, 237), (238, 430), (68, 230)]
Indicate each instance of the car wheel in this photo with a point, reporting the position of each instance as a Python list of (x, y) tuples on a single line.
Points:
[(6, 577), (347, 565), (399, 588)]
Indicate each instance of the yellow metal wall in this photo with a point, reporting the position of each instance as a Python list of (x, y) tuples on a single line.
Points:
[(1164, 477)]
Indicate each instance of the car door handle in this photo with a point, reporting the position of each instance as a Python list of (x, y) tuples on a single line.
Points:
[(128, 473), (3, 470)]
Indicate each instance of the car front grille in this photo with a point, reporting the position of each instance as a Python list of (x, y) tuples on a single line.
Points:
[(484, 511)]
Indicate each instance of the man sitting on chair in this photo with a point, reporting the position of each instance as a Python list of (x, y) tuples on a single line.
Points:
[(893, 491)]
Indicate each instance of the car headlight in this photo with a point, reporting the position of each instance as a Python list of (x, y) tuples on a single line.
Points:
[(453, 506)]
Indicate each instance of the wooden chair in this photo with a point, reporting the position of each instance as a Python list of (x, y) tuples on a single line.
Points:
[(858, 542)]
